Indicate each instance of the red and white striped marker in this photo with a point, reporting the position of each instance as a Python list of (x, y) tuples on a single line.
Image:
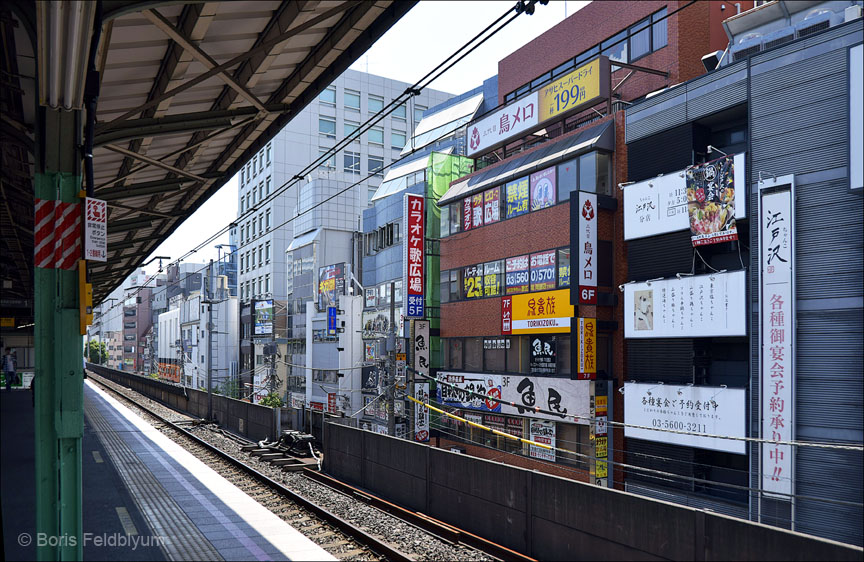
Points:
[(57, 234)]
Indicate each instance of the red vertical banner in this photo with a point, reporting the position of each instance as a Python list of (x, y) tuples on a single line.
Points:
[(414, 255), (466, 213), (506, 315)]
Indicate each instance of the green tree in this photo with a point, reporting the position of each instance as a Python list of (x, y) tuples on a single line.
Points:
[(272, 400), (96, 352), (230, 388)]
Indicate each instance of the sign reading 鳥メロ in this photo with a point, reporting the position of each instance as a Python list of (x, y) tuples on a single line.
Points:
[(587, 251), (496, 128)]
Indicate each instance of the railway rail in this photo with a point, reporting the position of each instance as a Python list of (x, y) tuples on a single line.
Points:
[(348, 523)]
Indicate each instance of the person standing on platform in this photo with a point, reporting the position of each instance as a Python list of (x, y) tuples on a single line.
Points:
[(9, 369)]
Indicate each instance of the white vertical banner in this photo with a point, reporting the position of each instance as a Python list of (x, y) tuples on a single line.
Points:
[(777, 333), (542, 432), (421, 413), (586, 275), (421, 349), (95, 230)]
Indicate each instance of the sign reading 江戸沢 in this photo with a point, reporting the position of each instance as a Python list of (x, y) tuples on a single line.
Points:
[(414, 255), (777, 333), (688, 410), (698, 306), (711, 202), (659, 205)]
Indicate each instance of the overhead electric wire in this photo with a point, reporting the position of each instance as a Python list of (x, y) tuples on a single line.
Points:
[(610, 460), (538, 410), (371, 121)]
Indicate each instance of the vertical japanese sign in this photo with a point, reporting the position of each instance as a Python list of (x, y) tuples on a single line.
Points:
[(466, 213), (401, 363), (421, 413), (777, 332), (517, 196), (711, 202), (516, 276), (96, 230), (543, 356), (586, 330), (414, 255), (421, 348), (601, 439), (331, 402), (476, 210), (543, 271), (331, 320), (542, 432), (506, 315), (492, 205), (587, 250)]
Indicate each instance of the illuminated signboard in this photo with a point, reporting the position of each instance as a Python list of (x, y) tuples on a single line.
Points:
[(541, 313), (414, 254)]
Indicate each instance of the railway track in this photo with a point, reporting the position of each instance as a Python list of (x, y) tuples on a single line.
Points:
[(347, 524)]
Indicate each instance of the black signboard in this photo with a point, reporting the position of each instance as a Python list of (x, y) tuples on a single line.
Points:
[(543, 355)]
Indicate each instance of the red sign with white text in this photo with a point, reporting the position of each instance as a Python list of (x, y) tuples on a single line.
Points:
[(506, 315)]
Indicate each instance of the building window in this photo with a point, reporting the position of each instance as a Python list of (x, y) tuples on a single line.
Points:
[(397, 139), (615, 48), (658, 30), (400, 112), (350, 127), (418, 114), (376, 165), (261, 162), (260, 256), (267, 252), (327, 127), (351, 162), (375, 135), (267, 284), (328, 96), (375, 104), (269, 147), (640, 39), (267, 220), (329, 163), (242, 176), (352, 100), (267, 186), (261, 191)]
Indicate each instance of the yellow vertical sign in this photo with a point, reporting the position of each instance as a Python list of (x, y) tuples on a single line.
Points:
[(587, 332)]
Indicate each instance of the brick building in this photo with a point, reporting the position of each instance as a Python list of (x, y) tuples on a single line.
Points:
[(509, 235)]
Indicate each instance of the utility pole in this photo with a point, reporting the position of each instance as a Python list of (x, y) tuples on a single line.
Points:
[(209, 301), (391, 378)]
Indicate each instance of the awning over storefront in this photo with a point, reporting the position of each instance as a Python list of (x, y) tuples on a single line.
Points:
[(396, 179), (599, 136), (442, 123)]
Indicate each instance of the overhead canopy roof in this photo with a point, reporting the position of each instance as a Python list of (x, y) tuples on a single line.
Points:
[(189, 93), (598, 136), (437, 125)]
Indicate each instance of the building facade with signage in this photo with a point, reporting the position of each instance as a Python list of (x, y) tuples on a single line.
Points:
[(743, 252), (531, 243)]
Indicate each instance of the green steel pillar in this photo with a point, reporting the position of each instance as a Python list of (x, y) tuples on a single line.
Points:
[(59, 369)]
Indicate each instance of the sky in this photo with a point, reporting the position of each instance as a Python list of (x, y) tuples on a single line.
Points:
[(422, 39)]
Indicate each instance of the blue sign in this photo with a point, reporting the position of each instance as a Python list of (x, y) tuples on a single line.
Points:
[(415, 306), (331, 320)]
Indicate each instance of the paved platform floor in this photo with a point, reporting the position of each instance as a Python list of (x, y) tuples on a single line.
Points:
[(144, 496)]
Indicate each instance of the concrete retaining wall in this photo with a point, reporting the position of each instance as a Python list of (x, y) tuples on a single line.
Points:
[(253, 421), (552, 518)]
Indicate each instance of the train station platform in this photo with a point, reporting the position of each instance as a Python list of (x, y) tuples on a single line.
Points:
[(144, 496)]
